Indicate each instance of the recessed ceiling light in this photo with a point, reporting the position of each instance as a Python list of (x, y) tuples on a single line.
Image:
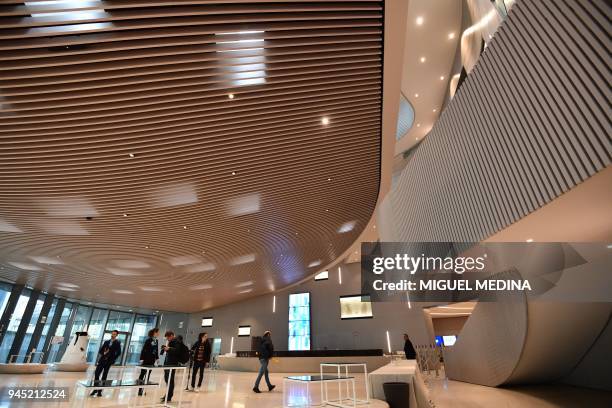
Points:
[(125, 215), (231, 96), (451, 36), (418, 125), (233, 173), (416, 95), (417, 138), (132, 155), (146, 247), (530, 240), (435, 110), (325, 120), (419, 20), (184, 227), (423, 59), (442, 78), (329, 179), (326, 210)]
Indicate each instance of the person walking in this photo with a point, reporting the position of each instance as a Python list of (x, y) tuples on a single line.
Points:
[(201, 356), (148, 355), (107, 355), (265, 351)]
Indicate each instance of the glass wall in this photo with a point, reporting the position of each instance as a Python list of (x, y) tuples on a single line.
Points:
[(142, 325), (299, 321), (5, 294), (120, 321), (14, 322), (25, 340), (45, 331), (74, 317), (95, 331), (81, 320), (60, 331)]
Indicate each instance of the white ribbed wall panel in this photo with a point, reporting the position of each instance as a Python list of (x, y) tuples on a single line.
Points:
[(529, 123)]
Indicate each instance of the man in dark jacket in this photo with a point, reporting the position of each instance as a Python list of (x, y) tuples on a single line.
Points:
[(107, 355), (148, 355), (172, 349), (265, 351), (408, 348), (201, 356)]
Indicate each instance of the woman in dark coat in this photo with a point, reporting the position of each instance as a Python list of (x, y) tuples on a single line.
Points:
[(149, 354), (201, 356)]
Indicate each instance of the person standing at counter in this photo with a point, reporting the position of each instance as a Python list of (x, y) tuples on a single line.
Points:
[(265, 351), (201, 356), (408, 348), (149, 355)]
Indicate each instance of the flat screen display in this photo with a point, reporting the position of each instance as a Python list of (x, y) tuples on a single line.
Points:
[(299, 321), (355, 307), (207, 322), (449, 340), (244, 331)]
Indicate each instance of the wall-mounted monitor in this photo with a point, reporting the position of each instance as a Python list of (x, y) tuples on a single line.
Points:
[(449, 340), (244, 331), (299, 321), (207, 322), (321, 276), (355, 307)]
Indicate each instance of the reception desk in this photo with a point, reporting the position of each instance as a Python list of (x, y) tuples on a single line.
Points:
[(302, 361)]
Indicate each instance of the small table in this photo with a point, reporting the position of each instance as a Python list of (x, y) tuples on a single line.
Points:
[(174, 367), (323, 380), (111, 384), (346, 366)]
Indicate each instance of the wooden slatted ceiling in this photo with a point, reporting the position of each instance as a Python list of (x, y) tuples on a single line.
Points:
[(190, 132)]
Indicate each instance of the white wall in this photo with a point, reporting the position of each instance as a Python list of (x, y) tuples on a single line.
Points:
[(327, 329)]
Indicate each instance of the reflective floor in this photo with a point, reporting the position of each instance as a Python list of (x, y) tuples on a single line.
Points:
[(220, 389)]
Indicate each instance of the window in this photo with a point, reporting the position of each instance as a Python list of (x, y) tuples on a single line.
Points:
[(299, 321), (27, 336), (5, 294), (322, 276), (142, 325), (13, 324), (95, 329), (244, 331), (120, 321), (207, 322), (81, 320), (60, 331), (45, 331), (355, 307)]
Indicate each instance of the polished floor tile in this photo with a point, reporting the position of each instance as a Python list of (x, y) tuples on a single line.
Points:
[(220, 389)]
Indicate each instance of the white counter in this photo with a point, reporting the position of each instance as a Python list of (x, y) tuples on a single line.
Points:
[(296, 364)]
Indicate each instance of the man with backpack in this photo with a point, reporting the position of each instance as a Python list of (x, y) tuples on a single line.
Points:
[(265, 352), (177, 353)]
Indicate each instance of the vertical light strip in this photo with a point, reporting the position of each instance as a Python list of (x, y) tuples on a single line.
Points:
[(408, 299), (388, 342), (274, 304), (232, 345), (340, 275)]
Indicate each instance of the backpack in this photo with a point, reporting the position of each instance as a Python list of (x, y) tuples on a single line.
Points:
[(183, 353)]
